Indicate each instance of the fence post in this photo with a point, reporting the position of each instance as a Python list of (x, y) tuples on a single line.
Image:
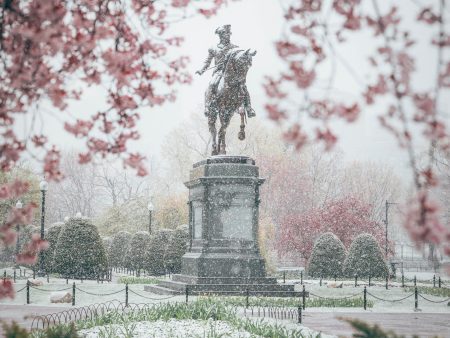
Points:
[(73, 294), (415, 281), (126, 294), (439, 281), (14, 275), (4, 276), (187, 294), (387, 281), (28, 292), (48, 278), (403, 280), (416, 298), (301, 277), (369, 279), (34, 272), (434, 281), (67, 280), (299, 309), (246, 298), (320, 281), (365, 298), (304, 297), (356, 280), (284, 277)]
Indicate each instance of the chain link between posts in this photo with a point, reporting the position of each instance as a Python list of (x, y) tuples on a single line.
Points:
[(150, 298)]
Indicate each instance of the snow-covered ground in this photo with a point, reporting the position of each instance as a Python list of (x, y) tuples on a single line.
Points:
[(167, 329), (185, 329)]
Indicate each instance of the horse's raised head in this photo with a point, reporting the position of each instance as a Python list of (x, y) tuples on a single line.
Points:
[(249, 52), (246, 57)]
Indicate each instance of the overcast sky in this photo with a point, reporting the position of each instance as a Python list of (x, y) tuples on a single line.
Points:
[(257, 24)]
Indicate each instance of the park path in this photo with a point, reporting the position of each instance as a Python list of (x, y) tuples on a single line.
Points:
[(421, 324)]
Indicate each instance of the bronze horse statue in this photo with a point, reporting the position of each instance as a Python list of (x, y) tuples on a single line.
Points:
[(228, 97)]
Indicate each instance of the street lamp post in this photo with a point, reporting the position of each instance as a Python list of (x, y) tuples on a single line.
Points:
[(150, 210), (19, 205), (43, 186)]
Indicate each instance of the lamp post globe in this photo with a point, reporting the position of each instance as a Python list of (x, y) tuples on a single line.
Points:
[(19, 205), (43, 186), (150, 208)]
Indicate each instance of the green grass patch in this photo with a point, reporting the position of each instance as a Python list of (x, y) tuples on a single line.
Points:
[(439, 292), (137, 280), (294, 302)]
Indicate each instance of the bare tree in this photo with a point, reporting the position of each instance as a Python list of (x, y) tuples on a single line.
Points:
[(77, 192)]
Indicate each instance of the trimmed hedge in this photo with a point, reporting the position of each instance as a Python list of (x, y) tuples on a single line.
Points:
[(118, 249), (79, 250), (137, 251), (158, 252), (327, 257), (51, 235), (365, 258)]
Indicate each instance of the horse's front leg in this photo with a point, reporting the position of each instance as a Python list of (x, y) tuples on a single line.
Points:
[(224, 123), (212, 129)]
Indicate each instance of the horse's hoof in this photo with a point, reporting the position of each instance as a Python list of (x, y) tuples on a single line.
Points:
[(241, 135)]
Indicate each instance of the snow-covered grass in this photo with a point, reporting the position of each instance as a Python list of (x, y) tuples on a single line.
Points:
[(206, 317), (439, 292), (357, 302)]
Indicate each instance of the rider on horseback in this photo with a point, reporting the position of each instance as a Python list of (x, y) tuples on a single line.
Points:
[(219, 54)]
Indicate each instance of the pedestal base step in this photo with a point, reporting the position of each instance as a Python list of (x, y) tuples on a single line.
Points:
[(174, 287), (223, 280)]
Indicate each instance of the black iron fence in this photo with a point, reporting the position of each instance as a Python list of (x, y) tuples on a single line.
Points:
[(74, 289)]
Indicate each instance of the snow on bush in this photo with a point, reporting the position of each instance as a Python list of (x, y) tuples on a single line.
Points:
[(120, 243), (79, 250), (365, 258), (327, 257), (177, 248), (51, 235), (158, 252), (137, 250)]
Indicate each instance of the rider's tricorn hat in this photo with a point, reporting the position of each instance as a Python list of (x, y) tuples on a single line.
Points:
[(223, 29)]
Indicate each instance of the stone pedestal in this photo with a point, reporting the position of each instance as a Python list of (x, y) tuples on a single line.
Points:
[(223, 253)]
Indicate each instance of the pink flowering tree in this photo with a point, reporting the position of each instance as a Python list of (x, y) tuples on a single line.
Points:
[(346, 217), (51, 51), (412, 112)]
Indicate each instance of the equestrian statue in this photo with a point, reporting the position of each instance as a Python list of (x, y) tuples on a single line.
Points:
[(227, 92)]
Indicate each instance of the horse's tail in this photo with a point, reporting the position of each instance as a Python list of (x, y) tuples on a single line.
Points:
[(241, 134)]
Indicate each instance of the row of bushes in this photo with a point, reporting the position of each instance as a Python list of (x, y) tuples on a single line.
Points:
[(330, 259), (76, 249), (154, 253)]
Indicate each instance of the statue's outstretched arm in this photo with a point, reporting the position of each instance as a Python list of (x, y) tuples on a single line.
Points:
[(207, 62)]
